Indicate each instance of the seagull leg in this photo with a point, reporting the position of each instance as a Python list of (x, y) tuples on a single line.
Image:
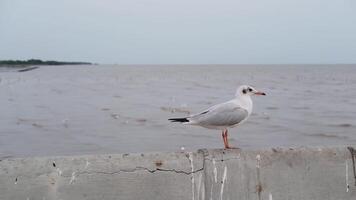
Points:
[(227, 141), (224, 135)]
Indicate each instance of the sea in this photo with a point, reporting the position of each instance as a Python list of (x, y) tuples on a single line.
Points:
[(105, 109)]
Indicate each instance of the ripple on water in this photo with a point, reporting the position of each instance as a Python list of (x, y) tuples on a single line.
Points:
[(301, 108), (141, 120), (325, 135), (175, 110), (272, 108), (343, 125)]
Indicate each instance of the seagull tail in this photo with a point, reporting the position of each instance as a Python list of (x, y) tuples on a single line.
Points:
[(182, 120)]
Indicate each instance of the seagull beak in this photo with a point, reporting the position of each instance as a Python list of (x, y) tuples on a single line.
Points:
[(260, 93)]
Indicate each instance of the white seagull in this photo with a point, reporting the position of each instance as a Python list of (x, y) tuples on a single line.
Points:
[(225, 115)]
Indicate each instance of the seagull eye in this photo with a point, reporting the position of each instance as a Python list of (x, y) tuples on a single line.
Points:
[(244, 91), (249, 89)]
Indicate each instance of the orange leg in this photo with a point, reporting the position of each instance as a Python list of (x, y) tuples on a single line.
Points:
[(223, 136), (226, 142)]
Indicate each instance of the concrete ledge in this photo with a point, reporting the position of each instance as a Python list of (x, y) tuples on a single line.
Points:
[(307, 173)]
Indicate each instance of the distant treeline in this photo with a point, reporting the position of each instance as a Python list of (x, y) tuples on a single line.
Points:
[(38, 62)]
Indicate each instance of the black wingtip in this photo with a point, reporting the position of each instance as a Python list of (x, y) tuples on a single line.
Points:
[(179, 120)]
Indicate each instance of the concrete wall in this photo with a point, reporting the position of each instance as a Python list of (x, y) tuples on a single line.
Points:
[(318, 173)]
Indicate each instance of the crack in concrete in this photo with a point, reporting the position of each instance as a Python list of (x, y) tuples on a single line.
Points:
[(78, 173)]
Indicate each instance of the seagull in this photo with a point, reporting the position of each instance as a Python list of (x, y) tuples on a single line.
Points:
[(225, 115)]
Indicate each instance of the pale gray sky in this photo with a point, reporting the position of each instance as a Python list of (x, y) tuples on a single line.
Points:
[(180, 31)]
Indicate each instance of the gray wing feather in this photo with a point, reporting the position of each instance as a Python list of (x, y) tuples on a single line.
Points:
[(226, 114)]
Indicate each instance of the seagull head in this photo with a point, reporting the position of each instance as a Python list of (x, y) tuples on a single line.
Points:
[(246, 90)]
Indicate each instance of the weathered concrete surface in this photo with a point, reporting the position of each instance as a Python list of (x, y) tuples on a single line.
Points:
[(308, 173)]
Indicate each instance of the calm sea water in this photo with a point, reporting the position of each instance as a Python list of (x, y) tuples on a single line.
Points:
[(66, 110)]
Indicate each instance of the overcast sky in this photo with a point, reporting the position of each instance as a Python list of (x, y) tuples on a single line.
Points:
[(180, 31)]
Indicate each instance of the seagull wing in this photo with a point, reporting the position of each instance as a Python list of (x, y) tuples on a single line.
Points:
[(222, 115)]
